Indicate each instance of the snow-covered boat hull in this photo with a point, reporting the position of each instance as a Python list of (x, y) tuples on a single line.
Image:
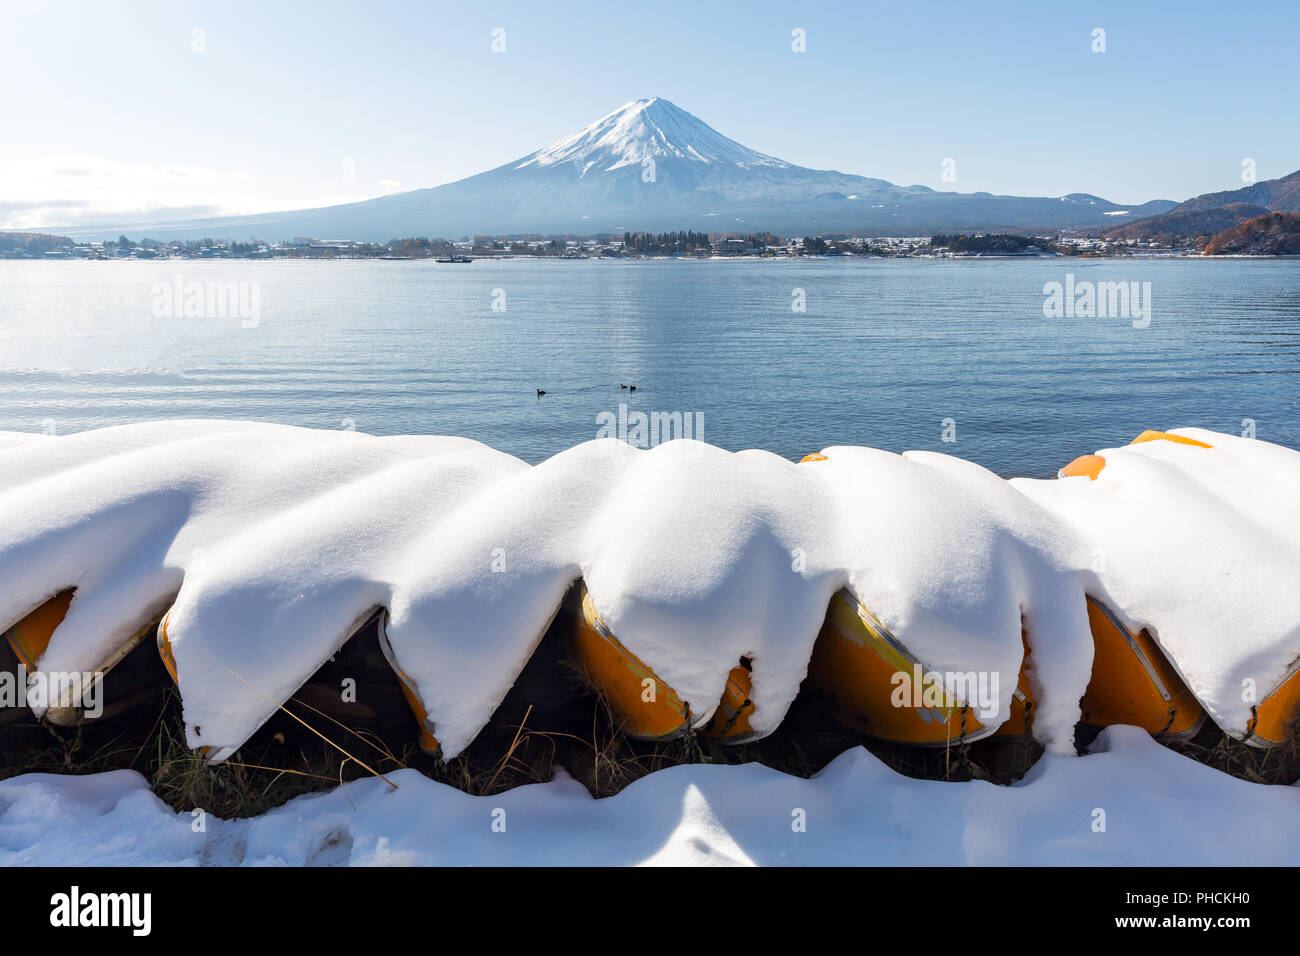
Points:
[(867, 677), (29, 638), (1134, 683), (647, 707)]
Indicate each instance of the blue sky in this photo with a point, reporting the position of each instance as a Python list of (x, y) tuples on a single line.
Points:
[(109, 111)]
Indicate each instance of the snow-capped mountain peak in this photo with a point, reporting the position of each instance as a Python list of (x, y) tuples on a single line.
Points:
[(653, 128), (650, 165)]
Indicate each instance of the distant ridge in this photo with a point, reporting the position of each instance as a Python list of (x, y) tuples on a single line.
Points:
[(31, 241), (1209, 214), (1273, 234), (651, 165)]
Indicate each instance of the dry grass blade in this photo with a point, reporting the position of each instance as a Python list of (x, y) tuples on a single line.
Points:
[(355, 733), (336, 746), (514, 744)]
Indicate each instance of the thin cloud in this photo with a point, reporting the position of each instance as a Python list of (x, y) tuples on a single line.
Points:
[(81, 191)]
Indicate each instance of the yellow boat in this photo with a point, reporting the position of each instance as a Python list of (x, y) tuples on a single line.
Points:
[(1090, 466), (858, 665), (1276, 718), (428, 742), (30, 637), (1134, 683), (647, 707), (875, 685), (863, 671), (730, 722), (379, 616), (1020, 724)]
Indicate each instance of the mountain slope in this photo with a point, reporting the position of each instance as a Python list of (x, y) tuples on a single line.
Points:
[(652, 165), (1189, 225), (1274, 234), (1211, 213), (1275, 195)]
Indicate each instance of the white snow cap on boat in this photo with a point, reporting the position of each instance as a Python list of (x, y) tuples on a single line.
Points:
[(1201, 546), (128, 515), (271, 543)]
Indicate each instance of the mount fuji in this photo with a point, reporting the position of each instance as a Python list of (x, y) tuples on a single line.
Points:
[(651, 165)]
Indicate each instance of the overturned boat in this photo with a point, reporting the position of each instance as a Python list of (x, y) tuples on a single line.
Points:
[(865, 671), (648, 708), (1136, 682)]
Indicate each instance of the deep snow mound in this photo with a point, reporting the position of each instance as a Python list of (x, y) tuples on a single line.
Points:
[(269, 544), (1199, 543)]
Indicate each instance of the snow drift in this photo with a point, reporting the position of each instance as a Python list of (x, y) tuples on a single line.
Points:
[(1159, 808), (271, 543)]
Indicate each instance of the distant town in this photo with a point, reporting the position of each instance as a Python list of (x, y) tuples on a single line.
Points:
[(630, 245)]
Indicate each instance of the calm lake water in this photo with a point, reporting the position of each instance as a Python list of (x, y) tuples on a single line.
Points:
[(884, 352)]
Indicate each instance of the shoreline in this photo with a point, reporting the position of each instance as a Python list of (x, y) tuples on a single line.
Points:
[(844, 258)]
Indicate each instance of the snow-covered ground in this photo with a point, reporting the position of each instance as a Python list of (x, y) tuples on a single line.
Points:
[(1130, 802)]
